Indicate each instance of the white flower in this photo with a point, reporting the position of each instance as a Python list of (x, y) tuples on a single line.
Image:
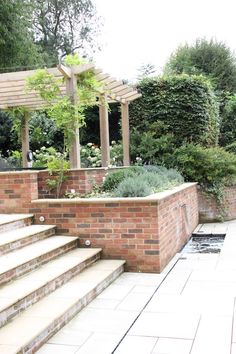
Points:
[(90, 144), (72, 191)]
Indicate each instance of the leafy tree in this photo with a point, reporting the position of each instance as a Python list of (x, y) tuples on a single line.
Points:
[(17, 48), (61, 25), (211, 58), (146, 70)]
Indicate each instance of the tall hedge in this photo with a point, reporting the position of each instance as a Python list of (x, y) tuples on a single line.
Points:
[(186, 104)]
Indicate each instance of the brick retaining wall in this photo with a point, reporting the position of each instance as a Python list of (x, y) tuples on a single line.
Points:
[(209, 209), (146, 232)]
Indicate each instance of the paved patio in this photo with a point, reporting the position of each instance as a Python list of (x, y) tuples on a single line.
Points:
[(188, 309)]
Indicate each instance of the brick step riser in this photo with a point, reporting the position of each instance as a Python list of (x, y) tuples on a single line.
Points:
[(36, 262), (61, 321), (12, 311), (25, 241), (15, 225)]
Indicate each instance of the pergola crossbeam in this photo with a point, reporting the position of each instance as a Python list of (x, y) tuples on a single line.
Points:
[(13, 93)]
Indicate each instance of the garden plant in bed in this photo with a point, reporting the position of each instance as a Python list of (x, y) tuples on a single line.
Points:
[(137, 181)]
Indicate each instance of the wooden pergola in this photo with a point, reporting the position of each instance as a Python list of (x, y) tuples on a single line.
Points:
[(14, 94)]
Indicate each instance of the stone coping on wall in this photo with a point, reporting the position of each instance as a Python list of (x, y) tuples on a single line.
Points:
[(19, 172), (72, 169), (150, 198)]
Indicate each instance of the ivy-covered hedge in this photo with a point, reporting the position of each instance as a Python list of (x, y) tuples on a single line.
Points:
[(185, 104)]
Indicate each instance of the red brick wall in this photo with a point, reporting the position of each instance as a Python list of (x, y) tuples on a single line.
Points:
[(17, 189), (146, 233), (82, 181), (209, 209)]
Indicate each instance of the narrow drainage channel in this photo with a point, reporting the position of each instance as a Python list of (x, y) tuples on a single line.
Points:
[(204, 243)]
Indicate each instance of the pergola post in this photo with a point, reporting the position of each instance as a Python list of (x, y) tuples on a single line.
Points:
[(104, 133), (71, 90), (25, 139), (125, 133)]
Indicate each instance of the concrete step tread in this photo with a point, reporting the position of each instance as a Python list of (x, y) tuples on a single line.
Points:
[(11, 293), (16, 258), (34, 321), (23, 232), (8, 218)]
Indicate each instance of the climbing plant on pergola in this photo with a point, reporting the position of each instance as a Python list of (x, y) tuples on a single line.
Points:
[(13, 94)]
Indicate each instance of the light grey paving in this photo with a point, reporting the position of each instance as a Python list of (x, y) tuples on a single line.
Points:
[(171, 325), (213, 335), (137, 345), (172, 346), (188, 309), (99, 343)]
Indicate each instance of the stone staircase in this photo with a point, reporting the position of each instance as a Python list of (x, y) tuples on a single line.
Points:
[(45, 280)]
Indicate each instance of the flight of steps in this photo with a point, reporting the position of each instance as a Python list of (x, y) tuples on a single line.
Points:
[(45, 280)]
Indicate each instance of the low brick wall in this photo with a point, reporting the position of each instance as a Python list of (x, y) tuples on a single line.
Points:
[(17, 189), (146, 232), (209, 209), (82, 181)]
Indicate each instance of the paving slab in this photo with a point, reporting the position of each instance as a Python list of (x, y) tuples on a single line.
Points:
[(188, 309)]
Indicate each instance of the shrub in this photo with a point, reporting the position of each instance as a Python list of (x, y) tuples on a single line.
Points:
[(149, 147), (44, 155), (186, 105), (148, 180), (207, 166), (133, 187), (113, 179), (91, 156)]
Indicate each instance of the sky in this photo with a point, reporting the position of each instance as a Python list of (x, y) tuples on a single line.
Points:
[(137, 32)]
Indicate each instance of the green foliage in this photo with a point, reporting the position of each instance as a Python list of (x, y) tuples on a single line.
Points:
[(14, 159), (44, 155), (231, 148), (148, 180), (91, 130), (113, 179), (209, 167), (211, 58), (140, 181), (44, 132), (57, 166), (228, 124), (6, 142), (150, 148), (133, 187), (45, 84), (185, 105), (67, 115), (17, 48), (17, 114), (90, 156)]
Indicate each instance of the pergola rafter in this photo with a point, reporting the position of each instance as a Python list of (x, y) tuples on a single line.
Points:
[(13, 93)]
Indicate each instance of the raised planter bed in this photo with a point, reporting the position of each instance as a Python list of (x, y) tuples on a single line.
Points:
[(147, 232)]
